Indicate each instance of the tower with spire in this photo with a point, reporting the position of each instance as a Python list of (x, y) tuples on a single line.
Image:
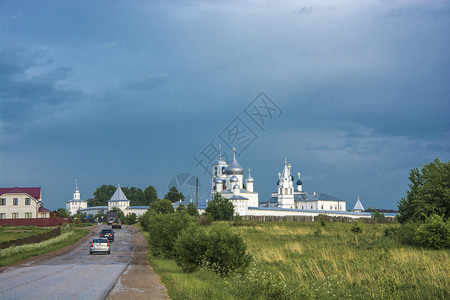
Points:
[(118, 200), (72, 206), (286, 187)]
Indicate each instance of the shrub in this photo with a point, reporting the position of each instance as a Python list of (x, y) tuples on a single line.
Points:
[(356, 228), (164, 230), (190, 248), (216, 248), (205, 220), (192, 209), (181, 208), (144, 220), (433, 233), (225, 250)]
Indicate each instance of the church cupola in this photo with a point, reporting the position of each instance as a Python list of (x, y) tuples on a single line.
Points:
[(299, 183), (76, 193), (234, 167), (249, 182)]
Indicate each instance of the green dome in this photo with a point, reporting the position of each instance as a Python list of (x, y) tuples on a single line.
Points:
[(299, 182)]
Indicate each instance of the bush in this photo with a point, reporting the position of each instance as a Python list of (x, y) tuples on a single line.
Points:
[(144, 220), (164, 230), (205, 220), (433, 233), (215, 248), (192, 209), (356, 228), (190, 248), (225, 250), (220, 208), (181, 208)]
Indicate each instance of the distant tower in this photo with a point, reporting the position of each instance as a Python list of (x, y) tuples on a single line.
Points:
[(72, 206), (299, 183), (76, 193), (219, 175), (358, 206), (118, 200), (249, 182), (286, 187)]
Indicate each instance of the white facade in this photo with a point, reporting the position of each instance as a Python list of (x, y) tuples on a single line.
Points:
[(72, 206), (119, 200), (18, 203)]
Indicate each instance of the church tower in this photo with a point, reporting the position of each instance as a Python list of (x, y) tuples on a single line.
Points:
[(286, 187), (72, 206), (218, 179)]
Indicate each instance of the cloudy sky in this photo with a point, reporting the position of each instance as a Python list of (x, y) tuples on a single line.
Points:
[(355, 93)]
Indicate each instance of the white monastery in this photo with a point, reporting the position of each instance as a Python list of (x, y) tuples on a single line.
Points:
[(288, 200), (72, 206)]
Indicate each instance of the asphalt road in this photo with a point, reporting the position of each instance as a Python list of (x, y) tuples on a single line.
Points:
[(73, 275)]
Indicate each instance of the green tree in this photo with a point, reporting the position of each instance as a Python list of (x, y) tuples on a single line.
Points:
[(181, 208), (429, 193), (192, 209), (433, 233), (135, 195), (102, 195), (220, 208), (62, 212), (161, 206), (174, 195), (120, 213), (130, 219), (150, 195)]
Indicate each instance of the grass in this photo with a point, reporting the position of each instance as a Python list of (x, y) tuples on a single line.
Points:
[(15, 254), (296, 260), (9, 233)]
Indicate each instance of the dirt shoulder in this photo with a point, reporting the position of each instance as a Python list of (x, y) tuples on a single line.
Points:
[(138, 281)]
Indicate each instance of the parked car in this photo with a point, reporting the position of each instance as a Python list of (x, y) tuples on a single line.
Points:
[(111, 220), (116, 224), (107, 233), (100, 245)]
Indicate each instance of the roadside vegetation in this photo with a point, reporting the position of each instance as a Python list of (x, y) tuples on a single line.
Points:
[(15, 254), (10, 233)]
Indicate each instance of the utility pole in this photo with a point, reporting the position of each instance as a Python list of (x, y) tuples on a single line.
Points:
[(196, 191)]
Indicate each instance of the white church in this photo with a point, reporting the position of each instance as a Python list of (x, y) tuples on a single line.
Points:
[(288, 200)]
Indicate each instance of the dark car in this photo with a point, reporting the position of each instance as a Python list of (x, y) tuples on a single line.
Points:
[(116, 224), (107, 233)]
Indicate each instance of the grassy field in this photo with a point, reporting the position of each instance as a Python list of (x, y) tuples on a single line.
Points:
[(309, 261), (17, 253), (9, 233)]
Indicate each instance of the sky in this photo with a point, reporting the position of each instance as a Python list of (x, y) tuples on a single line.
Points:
[(353, 94)]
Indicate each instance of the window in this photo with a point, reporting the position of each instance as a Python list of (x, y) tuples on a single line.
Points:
[(28, 215), (15, 201), (3, 201), (311, 207), (2, 216), (27, 201), (322, 206), (15, 215)]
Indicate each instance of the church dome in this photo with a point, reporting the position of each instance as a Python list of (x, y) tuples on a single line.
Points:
[(249, 179), (235, 187), (292, 178), (234, 179), (218, 180), (299, 182), (234, 168), (220, 161)]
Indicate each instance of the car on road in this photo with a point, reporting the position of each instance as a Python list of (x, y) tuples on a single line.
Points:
[(116, 224), (107, 233), (100, 245), (111, 220)]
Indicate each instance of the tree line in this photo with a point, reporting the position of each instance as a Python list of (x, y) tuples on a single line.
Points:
[(137, 196)]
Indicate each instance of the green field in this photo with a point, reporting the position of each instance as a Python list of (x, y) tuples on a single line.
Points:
[(296, 260), (9, 233)]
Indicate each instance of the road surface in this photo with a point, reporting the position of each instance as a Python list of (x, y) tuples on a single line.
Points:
[(78, 275)]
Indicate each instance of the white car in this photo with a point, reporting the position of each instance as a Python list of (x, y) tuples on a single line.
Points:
[(100, 245)]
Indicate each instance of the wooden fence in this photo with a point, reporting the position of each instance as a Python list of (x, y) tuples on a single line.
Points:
[(35, 221)]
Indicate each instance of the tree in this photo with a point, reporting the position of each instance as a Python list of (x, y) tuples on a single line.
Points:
[(181, 208), (192, 209), (429, 193), (220, 208), (150, 195), (135, 195), (102, 195), (161, 206), (174, 195), (120, 213), (62, 212)]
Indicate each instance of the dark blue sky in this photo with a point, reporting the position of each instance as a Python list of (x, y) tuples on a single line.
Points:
[(133, 92)]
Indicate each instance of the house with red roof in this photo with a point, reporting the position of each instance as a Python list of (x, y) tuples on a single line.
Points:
[(22, 203)]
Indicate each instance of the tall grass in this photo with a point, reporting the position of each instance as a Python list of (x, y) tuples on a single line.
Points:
[(295, 260)]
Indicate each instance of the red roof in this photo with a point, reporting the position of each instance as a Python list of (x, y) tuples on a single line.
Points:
[(43, 209), (34, 192)]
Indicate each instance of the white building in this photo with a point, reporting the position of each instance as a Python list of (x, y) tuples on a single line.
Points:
[(288, 200), (72, 206), (18, 203), (358, 206)]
